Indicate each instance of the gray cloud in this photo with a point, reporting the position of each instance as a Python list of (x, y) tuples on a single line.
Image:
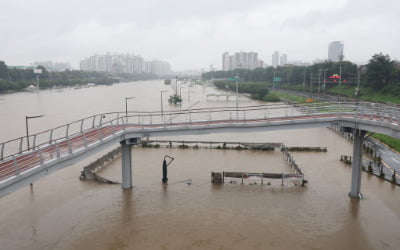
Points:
[(194, 34)]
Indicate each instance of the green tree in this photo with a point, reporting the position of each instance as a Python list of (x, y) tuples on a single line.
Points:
[(380, 71), (3, 70)]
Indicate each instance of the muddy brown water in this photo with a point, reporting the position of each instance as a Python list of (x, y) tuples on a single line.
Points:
[(62, 212)]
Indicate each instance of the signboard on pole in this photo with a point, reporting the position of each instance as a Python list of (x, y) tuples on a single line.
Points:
[(37, 71), (233, 79), (277, 79)]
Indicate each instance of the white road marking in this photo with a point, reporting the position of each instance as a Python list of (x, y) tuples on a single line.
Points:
[(381, 151), (395, 160)]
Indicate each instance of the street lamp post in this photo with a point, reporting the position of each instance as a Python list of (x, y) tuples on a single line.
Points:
[(237, 95), (27, 127), (126, 106), (324, 85), (273, 82), (37, 72), (358, 85), (162, 111)]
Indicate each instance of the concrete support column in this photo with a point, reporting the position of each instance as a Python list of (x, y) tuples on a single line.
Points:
[(356, 165), (126, 165)]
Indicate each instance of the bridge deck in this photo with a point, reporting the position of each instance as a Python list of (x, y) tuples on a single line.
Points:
[(52, 145)]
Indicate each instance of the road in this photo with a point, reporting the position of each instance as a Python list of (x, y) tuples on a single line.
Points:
[(390, 158)]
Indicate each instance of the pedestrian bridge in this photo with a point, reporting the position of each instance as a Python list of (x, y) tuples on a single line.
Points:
[(65, 145)]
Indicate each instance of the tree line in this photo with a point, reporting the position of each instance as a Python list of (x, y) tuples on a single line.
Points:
[(381, 74), (13, 79)]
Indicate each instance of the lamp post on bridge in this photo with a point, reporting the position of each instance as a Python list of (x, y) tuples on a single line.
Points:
[(126, 106), (357, 92), (162, 109), (27, 127), (237, 95)]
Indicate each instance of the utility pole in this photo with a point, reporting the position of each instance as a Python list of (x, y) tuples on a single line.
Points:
[(37, 72), (324, 86), (319, 82), (340, 75), (237, 96), (358, 85), (273, 82), (176, 86)]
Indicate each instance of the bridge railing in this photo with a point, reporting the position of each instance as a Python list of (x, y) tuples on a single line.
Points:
[(85, 129), (58, 134)]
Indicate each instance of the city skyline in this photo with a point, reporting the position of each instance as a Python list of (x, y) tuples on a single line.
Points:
[(194, 39), (124, 63), (239, 60)]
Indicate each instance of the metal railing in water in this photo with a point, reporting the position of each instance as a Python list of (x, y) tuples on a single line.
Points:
[(16, 157)]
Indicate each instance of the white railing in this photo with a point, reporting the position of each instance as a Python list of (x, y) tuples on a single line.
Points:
[(16, 157)]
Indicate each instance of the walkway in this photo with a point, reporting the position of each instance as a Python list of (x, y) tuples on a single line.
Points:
[(62, 146)]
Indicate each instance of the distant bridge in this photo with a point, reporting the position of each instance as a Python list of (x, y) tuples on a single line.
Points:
[(60, 147), (226, 95), (185, 77)]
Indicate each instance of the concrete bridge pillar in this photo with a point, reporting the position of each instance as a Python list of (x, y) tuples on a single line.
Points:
[(356, 165), (126, 165), (126, 153)]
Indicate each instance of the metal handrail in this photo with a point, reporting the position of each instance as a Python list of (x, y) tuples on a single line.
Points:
[(192, 116)]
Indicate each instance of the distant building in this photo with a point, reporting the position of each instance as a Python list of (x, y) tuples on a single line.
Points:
[(225, 61), (124, 63), (284, 60), (299, 63), (260, 63), (240, 60), (275, 59), (335, 51), (232, 62)]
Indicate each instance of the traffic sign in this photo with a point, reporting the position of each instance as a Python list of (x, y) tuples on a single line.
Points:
[(233, 79)]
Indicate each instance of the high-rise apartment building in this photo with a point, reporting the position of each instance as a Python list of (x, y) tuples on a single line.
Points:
[(283, 61), (232, 62), (225, 61), (260, 63), (240, 60), (335, 51), (275, 59)]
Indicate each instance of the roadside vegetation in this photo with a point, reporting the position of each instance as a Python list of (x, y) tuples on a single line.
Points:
[(257, 90), (390, 141), (12, 79), (378, 81)]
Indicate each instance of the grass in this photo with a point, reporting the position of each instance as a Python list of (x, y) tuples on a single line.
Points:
[(289, 97), (271, 97), (390, 141), (367, 94)]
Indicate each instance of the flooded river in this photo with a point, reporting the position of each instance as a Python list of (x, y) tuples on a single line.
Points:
[(62, 212)]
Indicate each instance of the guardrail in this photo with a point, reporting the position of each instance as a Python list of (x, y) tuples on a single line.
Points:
[(68, 138), (19, 145)]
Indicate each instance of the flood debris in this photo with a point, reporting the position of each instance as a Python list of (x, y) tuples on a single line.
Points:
[(296, 177), (219, 177), (346, 159)]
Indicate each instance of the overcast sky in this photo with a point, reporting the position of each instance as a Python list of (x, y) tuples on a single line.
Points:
[(194, 34)]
